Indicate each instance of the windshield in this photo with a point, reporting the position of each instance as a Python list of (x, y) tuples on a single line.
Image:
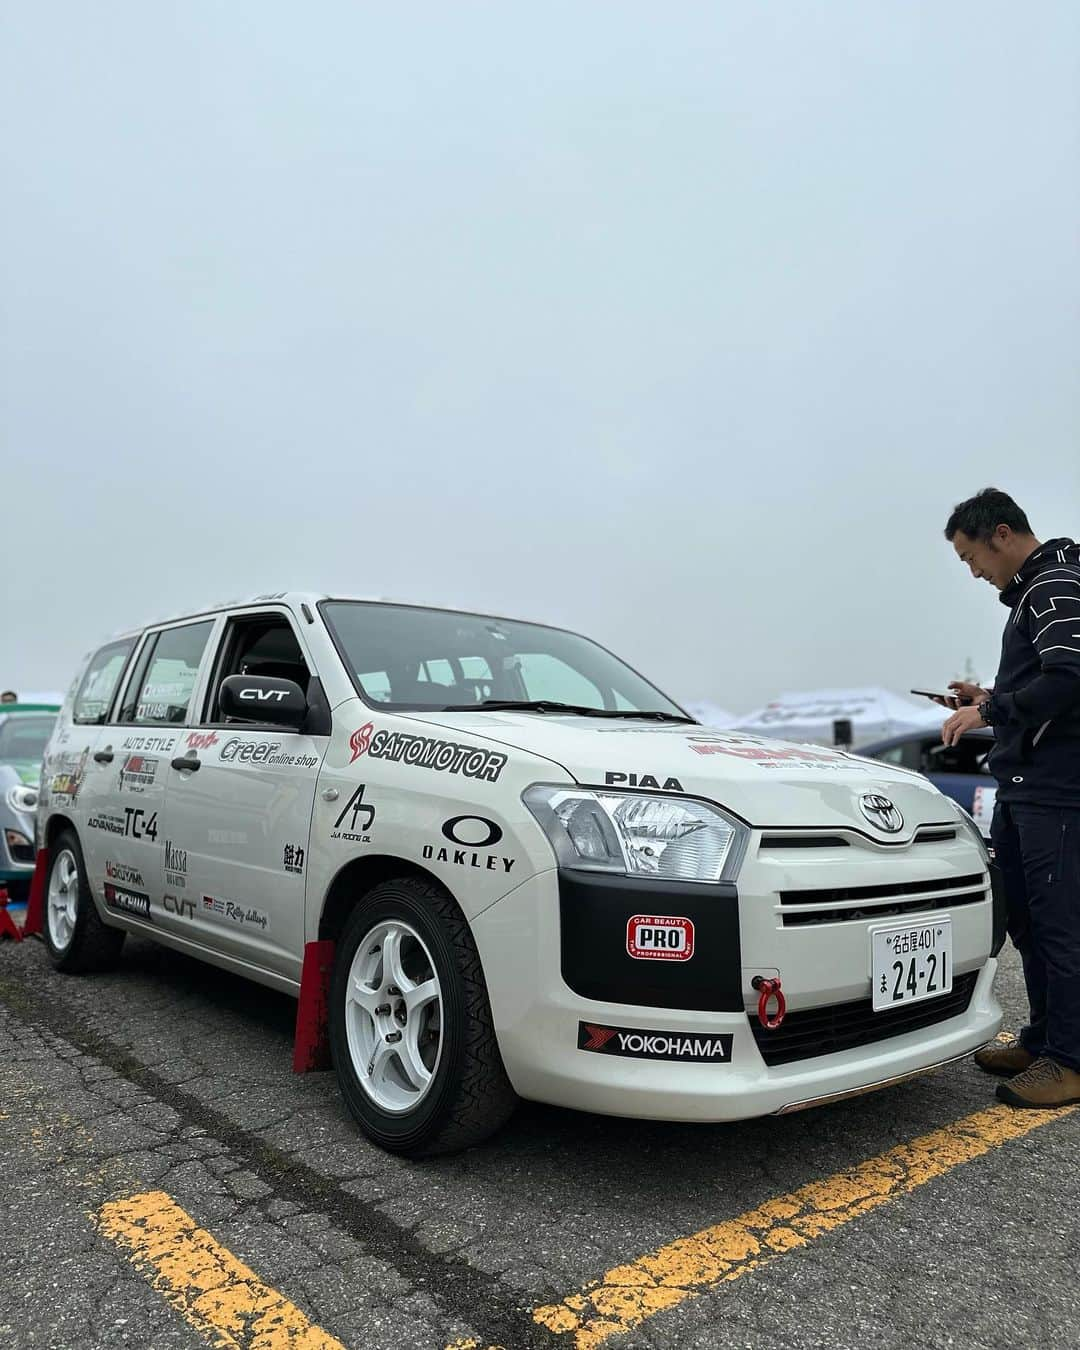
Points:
[(24, 738), (409, 658)]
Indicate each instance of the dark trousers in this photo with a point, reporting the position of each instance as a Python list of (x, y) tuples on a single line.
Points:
[(1038, 851)]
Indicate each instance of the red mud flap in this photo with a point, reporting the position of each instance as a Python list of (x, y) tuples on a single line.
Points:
[(8, 927), (35, 909), (311, 1048)]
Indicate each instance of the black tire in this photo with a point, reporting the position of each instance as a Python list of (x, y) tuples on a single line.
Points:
[(91, 945), (469, 1096)]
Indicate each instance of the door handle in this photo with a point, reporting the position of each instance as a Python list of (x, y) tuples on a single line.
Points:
[(186, 764), (104, 756)]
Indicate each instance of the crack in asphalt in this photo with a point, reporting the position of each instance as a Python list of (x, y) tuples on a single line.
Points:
[(462, 1291)]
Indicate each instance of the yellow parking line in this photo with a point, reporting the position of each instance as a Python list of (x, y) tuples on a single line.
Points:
[(626, 1295), (224, 1300)]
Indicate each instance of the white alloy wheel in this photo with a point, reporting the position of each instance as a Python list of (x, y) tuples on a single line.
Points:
[(394, 1016), (63, 899)]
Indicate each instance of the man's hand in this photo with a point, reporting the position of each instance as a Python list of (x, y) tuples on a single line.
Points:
[(967, 719), (964, 692)]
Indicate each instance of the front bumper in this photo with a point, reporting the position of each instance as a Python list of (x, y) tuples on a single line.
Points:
[(538, 1019)]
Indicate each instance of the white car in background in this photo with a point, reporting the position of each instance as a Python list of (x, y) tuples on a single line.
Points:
[(508, 866)]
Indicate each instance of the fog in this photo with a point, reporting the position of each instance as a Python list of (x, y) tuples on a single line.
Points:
[(683, 326)]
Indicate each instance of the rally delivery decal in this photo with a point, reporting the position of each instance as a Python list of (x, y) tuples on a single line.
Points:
[(426, 752), (640, 1043), (659, 937)]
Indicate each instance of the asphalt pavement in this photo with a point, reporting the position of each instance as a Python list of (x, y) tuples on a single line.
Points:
[(166, 1181)]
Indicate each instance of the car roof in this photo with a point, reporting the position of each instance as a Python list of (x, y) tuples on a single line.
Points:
[(294, 599), (6, 709)]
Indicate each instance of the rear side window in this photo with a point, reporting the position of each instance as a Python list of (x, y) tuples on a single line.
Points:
[(161, 691), (98, 685)]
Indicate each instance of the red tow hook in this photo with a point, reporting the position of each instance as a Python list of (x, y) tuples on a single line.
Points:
[(769, 989)]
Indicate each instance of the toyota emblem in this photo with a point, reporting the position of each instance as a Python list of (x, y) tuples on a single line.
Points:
[(881, 812)]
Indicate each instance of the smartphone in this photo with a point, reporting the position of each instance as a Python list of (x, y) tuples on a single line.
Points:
[(937, 693)]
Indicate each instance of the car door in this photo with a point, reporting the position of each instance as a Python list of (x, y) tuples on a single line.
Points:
[(148, 733), (243, 819), (82, 759)]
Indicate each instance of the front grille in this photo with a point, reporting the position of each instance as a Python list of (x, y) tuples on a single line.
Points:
[(844, 1026), (803, 841), (848, 904)]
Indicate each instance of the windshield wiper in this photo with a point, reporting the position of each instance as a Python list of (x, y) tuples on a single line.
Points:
[(545, 705)]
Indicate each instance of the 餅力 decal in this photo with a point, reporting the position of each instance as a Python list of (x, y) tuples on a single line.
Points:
[(138, 773), (360, 740), (127, 902), (292, 858), (426, 752), (659, 937), (356, 819), (127, 876), (642, 780), (689, 1047)]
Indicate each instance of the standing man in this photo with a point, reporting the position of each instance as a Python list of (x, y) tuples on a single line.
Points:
[(1035, 712)]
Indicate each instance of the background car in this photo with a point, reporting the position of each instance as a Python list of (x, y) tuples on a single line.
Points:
[(24, 732), (958, 770)]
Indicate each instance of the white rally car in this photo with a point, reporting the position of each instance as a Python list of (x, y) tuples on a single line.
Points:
[(493, 861)]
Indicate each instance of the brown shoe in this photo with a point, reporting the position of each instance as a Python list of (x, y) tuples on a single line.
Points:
[(1046, 1084), (1004, 1059)]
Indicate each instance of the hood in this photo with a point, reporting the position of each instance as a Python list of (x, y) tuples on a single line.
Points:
[(766, 782), (1054, 553)]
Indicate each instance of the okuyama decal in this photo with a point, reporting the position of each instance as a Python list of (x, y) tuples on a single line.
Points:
[(642, 780), (427, 753), (639, 1043), (659, 937)]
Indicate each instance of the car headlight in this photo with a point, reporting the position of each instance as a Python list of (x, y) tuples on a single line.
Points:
[(22, 798), (968, 822), (669, 838)]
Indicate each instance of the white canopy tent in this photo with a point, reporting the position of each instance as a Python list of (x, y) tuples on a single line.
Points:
[(809, 715), (709, 714)]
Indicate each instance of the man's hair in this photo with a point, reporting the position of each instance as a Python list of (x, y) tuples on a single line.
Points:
[(980, 515), (10, 694)]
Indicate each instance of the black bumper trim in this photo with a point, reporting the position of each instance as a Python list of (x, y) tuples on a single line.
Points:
[(594, 910)]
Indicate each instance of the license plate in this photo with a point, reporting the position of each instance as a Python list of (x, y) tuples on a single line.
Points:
[(911, 963)]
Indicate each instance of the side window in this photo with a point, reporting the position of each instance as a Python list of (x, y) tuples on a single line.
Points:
[(262, 644), (545, 676), (894, 755), (161, 692), (98, 685)]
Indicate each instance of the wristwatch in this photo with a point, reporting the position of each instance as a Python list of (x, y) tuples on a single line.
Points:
[(984, 711)]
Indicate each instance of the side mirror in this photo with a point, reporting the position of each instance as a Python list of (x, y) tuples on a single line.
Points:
[(262, 698)]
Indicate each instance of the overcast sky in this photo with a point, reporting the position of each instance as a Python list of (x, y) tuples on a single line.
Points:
[(680, 325)]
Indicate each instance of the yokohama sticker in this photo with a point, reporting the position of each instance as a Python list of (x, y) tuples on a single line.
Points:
[(659, 937), (640, 1043)]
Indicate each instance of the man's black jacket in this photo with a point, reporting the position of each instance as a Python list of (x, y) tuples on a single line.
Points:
[(1035, 707)]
